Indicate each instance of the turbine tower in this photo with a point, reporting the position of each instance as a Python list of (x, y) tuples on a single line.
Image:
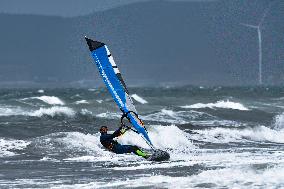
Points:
[(259, 27)]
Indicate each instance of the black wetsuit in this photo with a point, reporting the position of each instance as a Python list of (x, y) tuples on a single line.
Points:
[(112, 145)]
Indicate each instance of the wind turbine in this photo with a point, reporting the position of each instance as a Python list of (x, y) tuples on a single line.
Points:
[(259, 27)]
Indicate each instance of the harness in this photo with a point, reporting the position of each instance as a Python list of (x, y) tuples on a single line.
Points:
[(109, 145)]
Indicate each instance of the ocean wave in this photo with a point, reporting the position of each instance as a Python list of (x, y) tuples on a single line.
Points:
[(279, 122), (10, 111), (178, 117), (162, 138), (218, 123), (77, 146), (82, 102), (40, 91), (86, 112), (53, 111), (219, 104), (165, 116), (52, 100), (68, 144), (213, 178), (139, 99), (8, 145), (227, 135), (109, 115)]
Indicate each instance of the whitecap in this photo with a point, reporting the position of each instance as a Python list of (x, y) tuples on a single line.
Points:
[(86, 112), (40, 91), (163, 137), (11, 110), (52, 100), (279, 122), (219, 104), (8, 145), (99, 101), (82, 102), (227, 135), (178, 117), (109, 115), (55, 110)]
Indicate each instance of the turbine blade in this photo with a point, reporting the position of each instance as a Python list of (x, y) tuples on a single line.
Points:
[(266, 12), (250, 26)]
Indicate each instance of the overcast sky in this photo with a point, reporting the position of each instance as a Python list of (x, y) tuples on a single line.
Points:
[(65, 8), (205, 41)]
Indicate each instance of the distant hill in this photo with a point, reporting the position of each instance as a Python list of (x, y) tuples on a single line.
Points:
[(152, 42)]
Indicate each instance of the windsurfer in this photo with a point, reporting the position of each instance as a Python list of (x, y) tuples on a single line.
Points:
[(112, 145)]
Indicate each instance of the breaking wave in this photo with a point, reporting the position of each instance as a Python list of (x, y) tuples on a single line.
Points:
[(10, 111), (40, 91), (279, 122), (227, 135), (221, 178), (55, 110), (77, 146), (162, 138), (8, 145), (178, 117), (82, 102), (52, 100), (219, 104), (52, 111)]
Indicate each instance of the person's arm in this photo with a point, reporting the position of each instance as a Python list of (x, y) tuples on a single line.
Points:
[(116, 133), (120, 131)]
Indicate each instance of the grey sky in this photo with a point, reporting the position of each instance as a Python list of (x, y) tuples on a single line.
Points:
[(66, 8), (200, 43), (60, 7)]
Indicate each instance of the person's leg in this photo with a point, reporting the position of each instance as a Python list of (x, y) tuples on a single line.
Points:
[(123, 149), (139, 152)]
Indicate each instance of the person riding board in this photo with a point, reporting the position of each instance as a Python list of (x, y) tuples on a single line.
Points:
[(112, 145)]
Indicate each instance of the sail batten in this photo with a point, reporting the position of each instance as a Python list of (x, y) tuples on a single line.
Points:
[(115, 84)]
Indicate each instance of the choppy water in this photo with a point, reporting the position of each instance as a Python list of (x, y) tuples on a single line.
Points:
[(217, 137)]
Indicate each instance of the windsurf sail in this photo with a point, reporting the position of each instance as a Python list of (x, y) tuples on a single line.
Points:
[(116, 85)]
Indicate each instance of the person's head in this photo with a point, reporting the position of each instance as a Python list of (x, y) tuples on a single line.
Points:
[(103, 129)]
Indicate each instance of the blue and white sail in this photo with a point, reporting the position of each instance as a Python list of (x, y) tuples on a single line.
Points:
[(115, 84)]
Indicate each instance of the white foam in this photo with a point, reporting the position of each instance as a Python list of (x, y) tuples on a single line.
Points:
[(162, 138), (48, 159), (86, 112), (91, 90), (82, 102), (110, 115), (179, 117), (53, 100), (226, 135), (80, 141), (11, 110), (6, 145), (52, 111), (55, 110), (167, 116), (219, 104), (40, 91), (139, 99), (99, 101), (279, 122), (216, 178)]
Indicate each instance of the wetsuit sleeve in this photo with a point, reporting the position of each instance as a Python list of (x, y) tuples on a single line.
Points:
[(116, 133)]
